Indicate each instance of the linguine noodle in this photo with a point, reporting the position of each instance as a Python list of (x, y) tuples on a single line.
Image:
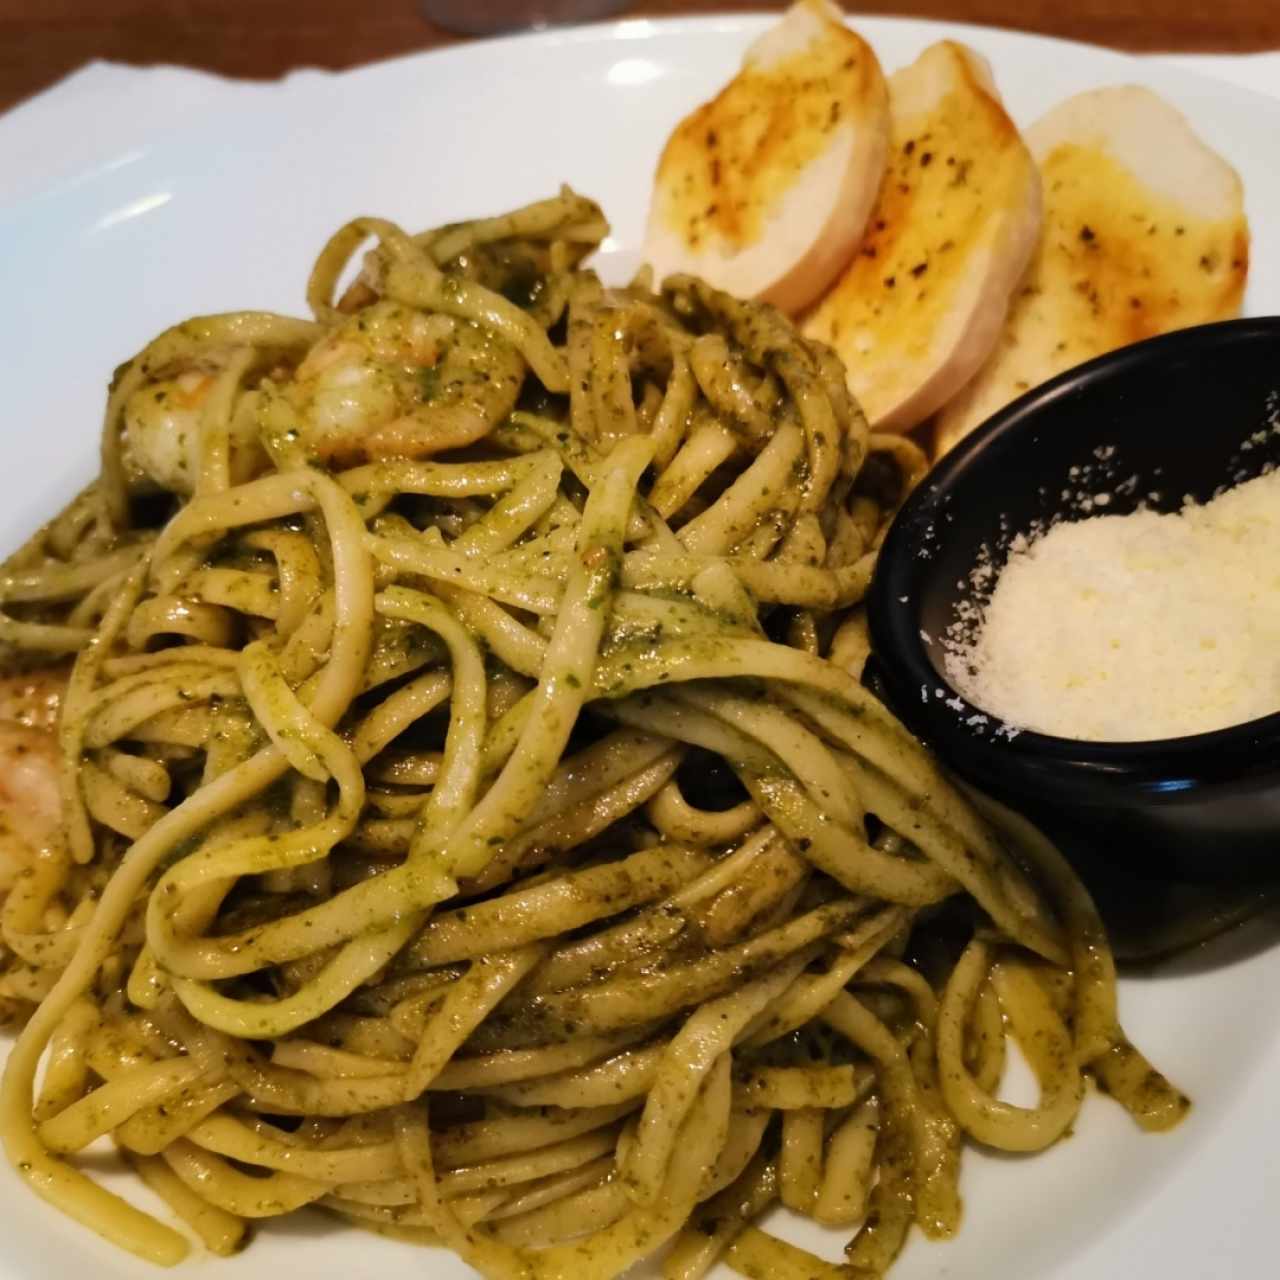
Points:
[(474, 822)]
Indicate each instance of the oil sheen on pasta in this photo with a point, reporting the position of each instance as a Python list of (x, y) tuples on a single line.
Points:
[(472, 822)]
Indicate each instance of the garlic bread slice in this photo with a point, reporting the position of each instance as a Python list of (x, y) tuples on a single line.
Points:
[(1144, 232), (765, 190), (921, 305)]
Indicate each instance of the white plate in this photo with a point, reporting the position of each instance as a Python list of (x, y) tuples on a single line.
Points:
[(226, 211)]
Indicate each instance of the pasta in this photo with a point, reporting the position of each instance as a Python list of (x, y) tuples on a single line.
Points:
[(473, 823)]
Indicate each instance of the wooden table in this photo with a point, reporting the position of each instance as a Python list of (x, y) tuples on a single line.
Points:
[(42, 40)]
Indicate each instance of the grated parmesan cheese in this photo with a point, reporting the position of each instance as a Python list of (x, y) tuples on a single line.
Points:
[(1135, 627)]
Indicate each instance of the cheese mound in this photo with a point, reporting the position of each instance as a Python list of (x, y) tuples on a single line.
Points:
[(1137, 627)]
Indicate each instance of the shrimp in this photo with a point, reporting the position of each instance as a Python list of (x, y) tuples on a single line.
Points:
[(389, 381), (30, 796), (392, 381), (33, 698), (162, 432)]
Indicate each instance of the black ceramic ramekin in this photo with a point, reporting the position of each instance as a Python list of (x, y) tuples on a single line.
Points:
[(1174, 417)]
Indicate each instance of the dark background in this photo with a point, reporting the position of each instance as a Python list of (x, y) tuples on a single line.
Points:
[(42, 40)]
